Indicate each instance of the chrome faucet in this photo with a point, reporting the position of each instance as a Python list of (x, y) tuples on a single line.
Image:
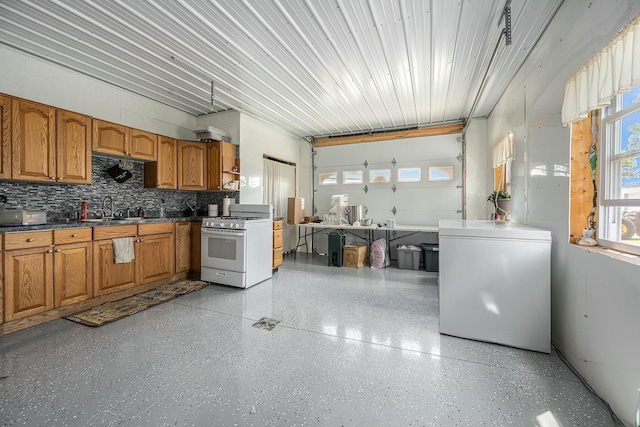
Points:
[(193, 208), (104, 204)]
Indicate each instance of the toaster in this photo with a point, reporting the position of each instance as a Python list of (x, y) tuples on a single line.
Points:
[(22, 217)]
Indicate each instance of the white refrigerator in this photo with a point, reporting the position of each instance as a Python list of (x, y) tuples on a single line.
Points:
[(495, 283)]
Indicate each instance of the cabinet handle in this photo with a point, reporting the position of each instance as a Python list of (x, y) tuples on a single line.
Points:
[(130, 154), (126, 154), (74, 235), (50, 251), (141, 240), (29, 240), (52, 177), (58, 250)]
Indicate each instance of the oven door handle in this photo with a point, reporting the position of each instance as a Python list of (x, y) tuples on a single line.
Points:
[(208, 231)]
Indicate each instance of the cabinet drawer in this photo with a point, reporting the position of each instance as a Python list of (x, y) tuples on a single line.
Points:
[(114, 231), (157, 228), (71, 235), (277, 239), (277, 225), (277, 257), (27, 239)]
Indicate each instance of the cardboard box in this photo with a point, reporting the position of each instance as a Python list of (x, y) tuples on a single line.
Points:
[(353, 256), (295, 210)]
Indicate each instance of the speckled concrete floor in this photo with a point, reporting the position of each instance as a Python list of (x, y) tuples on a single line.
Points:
[(356, 347)]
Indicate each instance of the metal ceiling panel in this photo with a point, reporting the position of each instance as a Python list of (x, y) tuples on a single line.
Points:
[(312, 68)]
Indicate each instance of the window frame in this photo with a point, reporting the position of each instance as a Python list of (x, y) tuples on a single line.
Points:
[(610, 198)]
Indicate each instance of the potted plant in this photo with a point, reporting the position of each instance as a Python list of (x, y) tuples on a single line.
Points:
[(501, 201)]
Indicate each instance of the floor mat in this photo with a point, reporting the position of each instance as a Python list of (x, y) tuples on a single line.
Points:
[(111, 311)]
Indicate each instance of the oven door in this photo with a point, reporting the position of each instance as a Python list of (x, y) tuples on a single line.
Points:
[(224, 249)]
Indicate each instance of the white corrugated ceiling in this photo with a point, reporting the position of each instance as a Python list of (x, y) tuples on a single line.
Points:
[(311, 67)]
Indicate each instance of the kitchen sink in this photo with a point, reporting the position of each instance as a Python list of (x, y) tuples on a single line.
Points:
[(112, 219)]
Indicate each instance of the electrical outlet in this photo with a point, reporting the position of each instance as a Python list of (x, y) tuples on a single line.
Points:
[(3, 198)]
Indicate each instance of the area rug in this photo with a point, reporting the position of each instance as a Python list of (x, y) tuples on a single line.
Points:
[(111, 311)]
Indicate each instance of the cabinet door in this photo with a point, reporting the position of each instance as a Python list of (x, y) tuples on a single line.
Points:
[(144, 145), (183, 246), (110, 138), (5, 137), (192, 168), (32, 145), (214, 153), (196, 250), (72, 281), (28, 282), (156, 257), (107, 275), (73, 147), (164, 172)]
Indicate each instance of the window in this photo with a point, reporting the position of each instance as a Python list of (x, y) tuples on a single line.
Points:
[(619, 162), (378, 176), (441, 173), (352, 177), (328, 178), (409, 175)]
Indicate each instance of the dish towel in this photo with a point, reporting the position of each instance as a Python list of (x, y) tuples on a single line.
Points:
[(123, 250)]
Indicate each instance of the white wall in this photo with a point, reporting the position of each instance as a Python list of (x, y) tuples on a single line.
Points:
[(28, 77), (419, 203), (595, 298), (478, 179), (256, 139)]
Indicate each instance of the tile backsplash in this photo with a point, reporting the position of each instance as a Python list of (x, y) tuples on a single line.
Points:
[(64, 200)]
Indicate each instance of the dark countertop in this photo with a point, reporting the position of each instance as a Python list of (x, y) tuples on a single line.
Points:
[(75, 224)]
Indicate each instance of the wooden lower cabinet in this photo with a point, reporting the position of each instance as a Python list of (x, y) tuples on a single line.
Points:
[(183, 246), (196, 249), (155, 256), (277, 244), (107, 275), (72, 267), (28, 282)]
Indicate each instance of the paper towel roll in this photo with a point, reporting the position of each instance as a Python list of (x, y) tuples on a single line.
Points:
[(225, 206), (213, 210)]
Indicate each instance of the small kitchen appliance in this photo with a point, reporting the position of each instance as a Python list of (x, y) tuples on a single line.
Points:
[(236, 250), (22, 217)]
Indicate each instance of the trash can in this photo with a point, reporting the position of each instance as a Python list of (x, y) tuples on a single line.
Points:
[(336, 242), (408, 257), (430, 257)]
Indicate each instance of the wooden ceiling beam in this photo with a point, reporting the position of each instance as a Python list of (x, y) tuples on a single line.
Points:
[(447, 129)]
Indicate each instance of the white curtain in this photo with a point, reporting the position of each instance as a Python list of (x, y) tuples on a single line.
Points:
[(279, 185), (503, 150), (612, 70)]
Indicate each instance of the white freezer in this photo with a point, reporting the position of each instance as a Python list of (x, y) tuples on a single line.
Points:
[(495, 283)]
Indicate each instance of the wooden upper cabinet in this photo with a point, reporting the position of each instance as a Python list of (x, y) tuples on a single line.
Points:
[(144, 145), (192, 165), (118, 140), (221, 161), (5, 137), (73, 147), (110, 138), (32, 143), (164, 172)]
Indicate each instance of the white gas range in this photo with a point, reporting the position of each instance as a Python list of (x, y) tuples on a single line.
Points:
[(237, 250)]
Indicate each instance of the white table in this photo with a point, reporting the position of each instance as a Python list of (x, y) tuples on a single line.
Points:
[(316, 227), (407, 230)]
